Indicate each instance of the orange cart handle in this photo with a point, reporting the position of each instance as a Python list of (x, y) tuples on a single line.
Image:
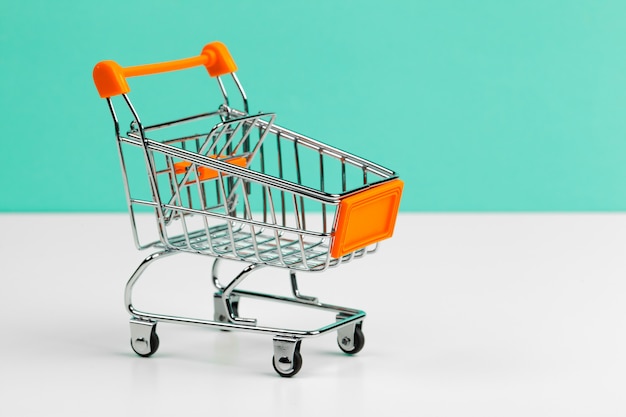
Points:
[(110, 77)]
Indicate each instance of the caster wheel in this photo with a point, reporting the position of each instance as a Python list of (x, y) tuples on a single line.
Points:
[(357, 343), (141, 348), (285, 368)]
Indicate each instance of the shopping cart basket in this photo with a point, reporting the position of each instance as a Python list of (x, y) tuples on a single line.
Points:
[(247, 190)]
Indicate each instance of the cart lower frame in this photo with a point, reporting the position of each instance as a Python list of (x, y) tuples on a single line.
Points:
[(287, 359)]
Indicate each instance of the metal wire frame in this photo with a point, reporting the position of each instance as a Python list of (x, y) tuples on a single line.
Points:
[(230, 227)]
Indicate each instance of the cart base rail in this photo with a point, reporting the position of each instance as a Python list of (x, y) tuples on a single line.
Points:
[(287, 359)]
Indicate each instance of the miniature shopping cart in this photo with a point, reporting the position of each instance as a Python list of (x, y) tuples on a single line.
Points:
[(247, 190)]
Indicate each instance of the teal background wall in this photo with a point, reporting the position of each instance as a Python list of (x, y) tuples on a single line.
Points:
[(479, 105)]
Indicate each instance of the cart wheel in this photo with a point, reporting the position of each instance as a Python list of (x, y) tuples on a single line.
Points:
[(285, 368), (139, 344), (357, 343)]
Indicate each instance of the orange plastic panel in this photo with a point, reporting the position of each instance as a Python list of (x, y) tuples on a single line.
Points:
[(110, 77), (205, 173), (181, 167), (366, 218)]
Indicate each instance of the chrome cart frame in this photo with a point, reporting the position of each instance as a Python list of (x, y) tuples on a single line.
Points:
[(251, 191)]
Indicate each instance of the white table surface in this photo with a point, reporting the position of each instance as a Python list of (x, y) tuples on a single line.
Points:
[(468, 315)]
